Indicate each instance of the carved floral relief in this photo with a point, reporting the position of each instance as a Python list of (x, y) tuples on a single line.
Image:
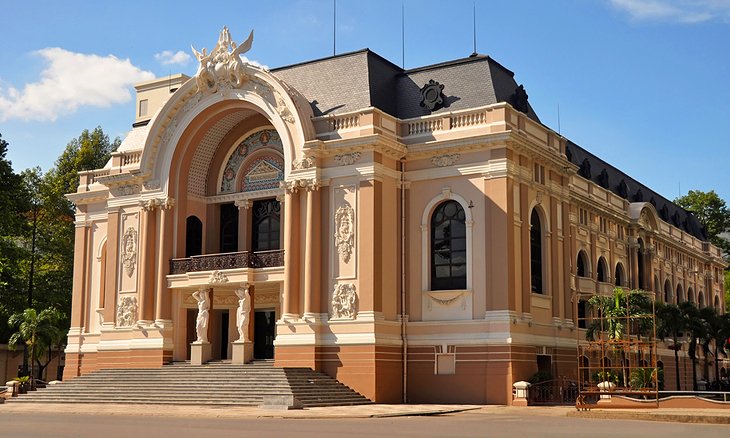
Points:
[(344, 302), (129, 251), (345, 231), (445, 160), (127, 312)]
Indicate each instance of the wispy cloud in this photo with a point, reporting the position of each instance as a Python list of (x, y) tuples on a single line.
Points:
[(167, 57), (675, 11), (70, 81)]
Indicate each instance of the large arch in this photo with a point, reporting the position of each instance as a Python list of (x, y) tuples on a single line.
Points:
[(190, 111)]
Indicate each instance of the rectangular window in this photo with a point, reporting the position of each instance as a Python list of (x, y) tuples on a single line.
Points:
[(143, 104), (539, 173)]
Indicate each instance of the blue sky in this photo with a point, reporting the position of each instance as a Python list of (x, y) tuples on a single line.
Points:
[(644, 84)]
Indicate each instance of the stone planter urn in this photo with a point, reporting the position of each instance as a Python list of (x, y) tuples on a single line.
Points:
[(606, 387)]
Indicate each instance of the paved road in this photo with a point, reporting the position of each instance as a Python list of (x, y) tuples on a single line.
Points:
[(465, 424)]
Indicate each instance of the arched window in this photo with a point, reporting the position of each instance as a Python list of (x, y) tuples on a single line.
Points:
[(680, 294), (581, 266), (448, 247), (620, 277), (701, 300), (602, 270), (536, 284), (690, 295), (667, 292), (193, 236), (229, 228), (266, 229)]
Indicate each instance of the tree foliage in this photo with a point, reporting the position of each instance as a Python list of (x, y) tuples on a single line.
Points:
[(37, 228), (38, 331), (712, 212)]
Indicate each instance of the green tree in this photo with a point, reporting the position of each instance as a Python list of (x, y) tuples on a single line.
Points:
[(13, 202), (696, 330), (35, 330), (713, 214), (670, 325)]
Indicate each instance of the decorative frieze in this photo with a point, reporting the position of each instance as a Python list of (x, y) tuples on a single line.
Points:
[(347, 159), (294, 185), (445, 160), (217, 277), (127, 311), (344, 302), (129, 251), (344, 231), (304, 163)]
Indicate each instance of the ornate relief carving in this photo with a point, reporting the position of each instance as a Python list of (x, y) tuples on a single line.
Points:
[(283, 110), (269, 298), (304, 163), (344, 301), (447, 300), (217, 277), (126, 189), (129, 250), (445, 160), (347, 159), (151, 185), (127, 312), (223, 67), (345, 231)]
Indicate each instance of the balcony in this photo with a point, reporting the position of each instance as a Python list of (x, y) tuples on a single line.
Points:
[(233, 260)]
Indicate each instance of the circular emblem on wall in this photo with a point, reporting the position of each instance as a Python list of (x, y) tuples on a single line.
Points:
[(431, 94)]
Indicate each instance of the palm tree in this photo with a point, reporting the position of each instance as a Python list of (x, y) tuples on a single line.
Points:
[(697, 330), (718, 331), (670, 324), (620, 314), (36, 331)]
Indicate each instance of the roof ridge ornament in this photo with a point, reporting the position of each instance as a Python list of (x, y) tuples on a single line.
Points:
[(223, 66)]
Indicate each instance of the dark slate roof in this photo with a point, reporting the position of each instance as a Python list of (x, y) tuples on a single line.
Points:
[(357, 80), (361, 79), (609, 177)]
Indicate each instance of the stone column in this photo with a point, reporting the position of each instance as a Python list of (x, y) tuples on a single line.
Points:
[(312, 277), (244, 229), (290, 304), (163, 309), (112, 264), (79, 290), (146, 245)]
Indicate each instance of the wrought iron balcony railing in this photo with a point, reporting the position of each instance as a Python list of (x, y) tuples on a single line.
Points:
[(232, 260)]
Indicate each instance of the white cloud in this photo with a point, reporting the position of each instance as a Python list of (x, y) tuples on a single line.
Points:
[(167, 57), (69, 81), (677, 11), (255, 63)]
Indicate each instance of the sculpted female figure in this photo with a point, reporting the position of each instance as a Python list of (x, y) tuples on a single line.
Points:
[(201, 323), (243, 313)]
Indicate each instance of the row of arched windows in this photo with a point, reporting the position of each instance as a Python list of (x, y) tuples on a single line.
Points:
[(581, 269)]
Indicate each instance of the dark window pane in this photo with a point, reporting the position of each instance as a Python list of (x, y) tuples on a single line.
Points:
[(448, 247)]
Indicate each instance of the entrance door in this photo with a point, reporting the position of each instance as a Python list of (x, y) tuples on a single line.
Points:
[(263, 338)]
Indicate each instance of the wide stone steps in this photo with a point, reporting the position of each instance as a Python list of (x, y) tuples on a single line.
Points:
[(213, 384)]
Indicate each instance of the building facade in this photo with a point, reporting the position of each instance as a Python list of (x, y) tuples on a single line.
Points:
[(414, 232)]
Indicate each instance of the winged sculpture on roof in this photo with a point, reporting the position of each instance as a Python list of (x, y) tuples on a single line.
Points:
[(223, 64)]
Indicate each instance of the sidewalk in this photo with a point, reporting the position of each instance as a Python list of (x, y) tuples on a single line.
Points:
[(707, 416)]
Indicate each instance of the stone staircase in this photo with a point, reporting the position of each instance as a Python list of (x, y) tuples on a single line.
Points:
[(255, 384)]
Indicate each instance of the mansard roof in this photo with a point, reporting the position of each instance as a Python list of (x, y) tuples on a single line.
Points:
[(609, 177), (362, 79)]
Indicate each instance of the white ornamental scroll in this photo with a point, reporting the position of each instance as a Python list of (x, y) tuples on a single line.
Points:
[(345, 231)]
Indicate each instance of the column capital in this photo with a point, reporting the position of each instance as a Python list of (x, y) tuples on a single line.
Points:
[(243, 203)]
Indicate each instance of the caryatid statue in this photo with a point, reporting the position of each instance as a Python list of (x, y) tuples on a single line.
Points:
[(243, 313), (201, 323)]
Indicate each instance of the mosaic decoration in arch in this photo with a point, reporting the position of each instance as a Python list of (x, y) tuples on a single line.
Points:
[(267, 138), (263, 173)]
